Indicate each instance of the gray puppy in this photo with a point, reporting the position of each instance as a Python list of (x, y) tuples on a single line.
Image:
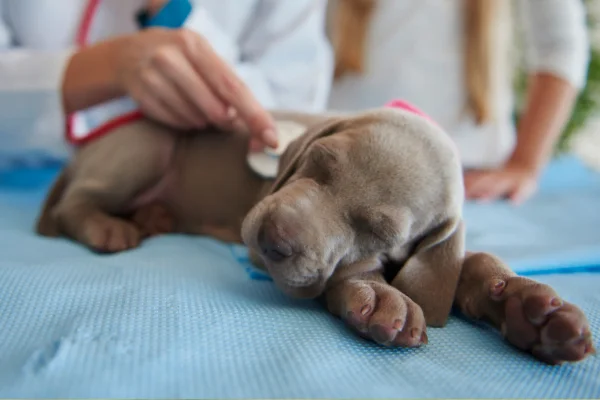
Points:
[(365, 214)]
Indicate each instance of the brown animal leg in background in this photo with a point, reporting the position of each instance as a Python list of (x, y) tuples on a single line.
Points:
[(98, 230), (378, 311), (107, 177), (530, 315), (93, 213)]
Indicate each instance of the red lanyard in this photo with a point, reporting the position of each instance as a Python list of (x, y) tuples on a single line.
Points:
[(82, 41), (86, 22)]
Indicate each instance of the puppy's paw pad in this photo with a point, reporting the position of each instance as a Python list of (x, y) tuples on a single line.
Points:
[(110, 235), (537, 320)]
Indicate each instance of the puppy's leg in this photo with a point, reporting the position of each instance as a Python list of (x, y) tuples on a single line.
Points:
[(46, 223), (107, 176), (154, 219), (530, 315), (378, 311)]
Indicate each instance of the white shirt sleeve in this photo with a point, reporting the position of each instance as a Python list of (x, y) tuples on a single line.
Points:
[(556, 38), (283, 56), (201, 22), (31, 111)]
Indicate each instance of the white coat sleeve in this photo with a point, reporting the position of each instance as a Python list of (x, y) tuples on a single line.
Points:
[(556, 38), (31, 111), (284, 56)]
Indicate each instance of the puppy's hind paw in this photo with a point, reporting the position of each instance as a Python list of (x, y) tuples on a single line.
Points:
[(105, 234), (537, 320)]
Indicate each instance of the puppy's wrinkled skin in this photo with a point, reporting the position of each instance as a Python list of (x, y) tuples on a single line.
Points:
[(364, 214)]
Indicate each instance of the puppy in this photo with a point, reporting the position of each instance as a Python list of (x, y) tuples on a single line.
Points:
[(365, 214)]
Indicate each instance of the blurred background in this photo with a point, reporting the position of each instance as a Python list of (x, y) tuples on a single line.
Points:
[(582, 134)]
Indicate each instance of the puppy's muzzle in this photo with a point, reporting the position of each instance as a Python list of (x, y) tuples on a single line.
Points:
[(272, 245)]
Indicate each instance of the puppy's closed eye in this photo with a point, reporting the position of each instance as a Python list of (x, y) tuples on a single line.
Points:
[(326, 152), (378, 227), (322, 162)]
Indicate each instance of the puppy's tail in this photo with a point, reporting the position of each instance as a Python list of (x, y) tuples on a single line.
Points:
[(46, 224)]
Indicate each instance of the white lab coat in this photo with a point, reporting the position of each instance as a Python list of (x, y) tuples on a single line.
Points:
[(278, 47)]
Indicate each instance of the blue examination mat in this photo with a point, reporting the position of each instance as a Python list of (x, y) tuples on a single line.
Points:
[(559, 229), (185, 317)]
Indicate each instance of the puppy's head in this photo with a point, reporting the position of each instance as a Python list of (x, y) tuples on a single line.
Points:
[(352, 191)]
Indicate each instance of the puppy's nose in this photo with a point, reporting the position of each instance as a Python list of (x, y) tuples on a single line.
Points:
[(272, 245)]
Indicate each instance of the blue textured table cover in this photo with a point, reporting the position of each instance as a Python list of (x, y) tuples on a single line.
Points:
[(182, 317), (559, 229)]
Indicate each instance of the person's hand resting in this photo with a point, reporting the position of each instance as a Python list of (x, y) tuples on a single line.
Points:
[(176, 78), (512, 181), (549, 105)]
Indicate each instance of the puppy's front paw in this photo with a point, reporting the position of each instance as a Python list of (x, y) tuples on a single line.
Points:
[(106, 234), (379, 312), (537, 320)]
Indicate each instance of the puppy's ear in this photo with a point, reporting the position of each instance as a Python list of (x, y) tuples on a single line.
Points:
[(292, 156), (430, 276)]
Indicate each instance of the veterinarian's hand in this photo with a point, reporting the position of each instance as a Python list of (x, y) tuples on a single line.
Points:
[(515, 182), (178, 79)]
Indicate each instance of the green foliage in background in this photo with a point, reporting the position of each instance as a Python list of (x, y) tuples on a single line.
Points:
[(588, 102)]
